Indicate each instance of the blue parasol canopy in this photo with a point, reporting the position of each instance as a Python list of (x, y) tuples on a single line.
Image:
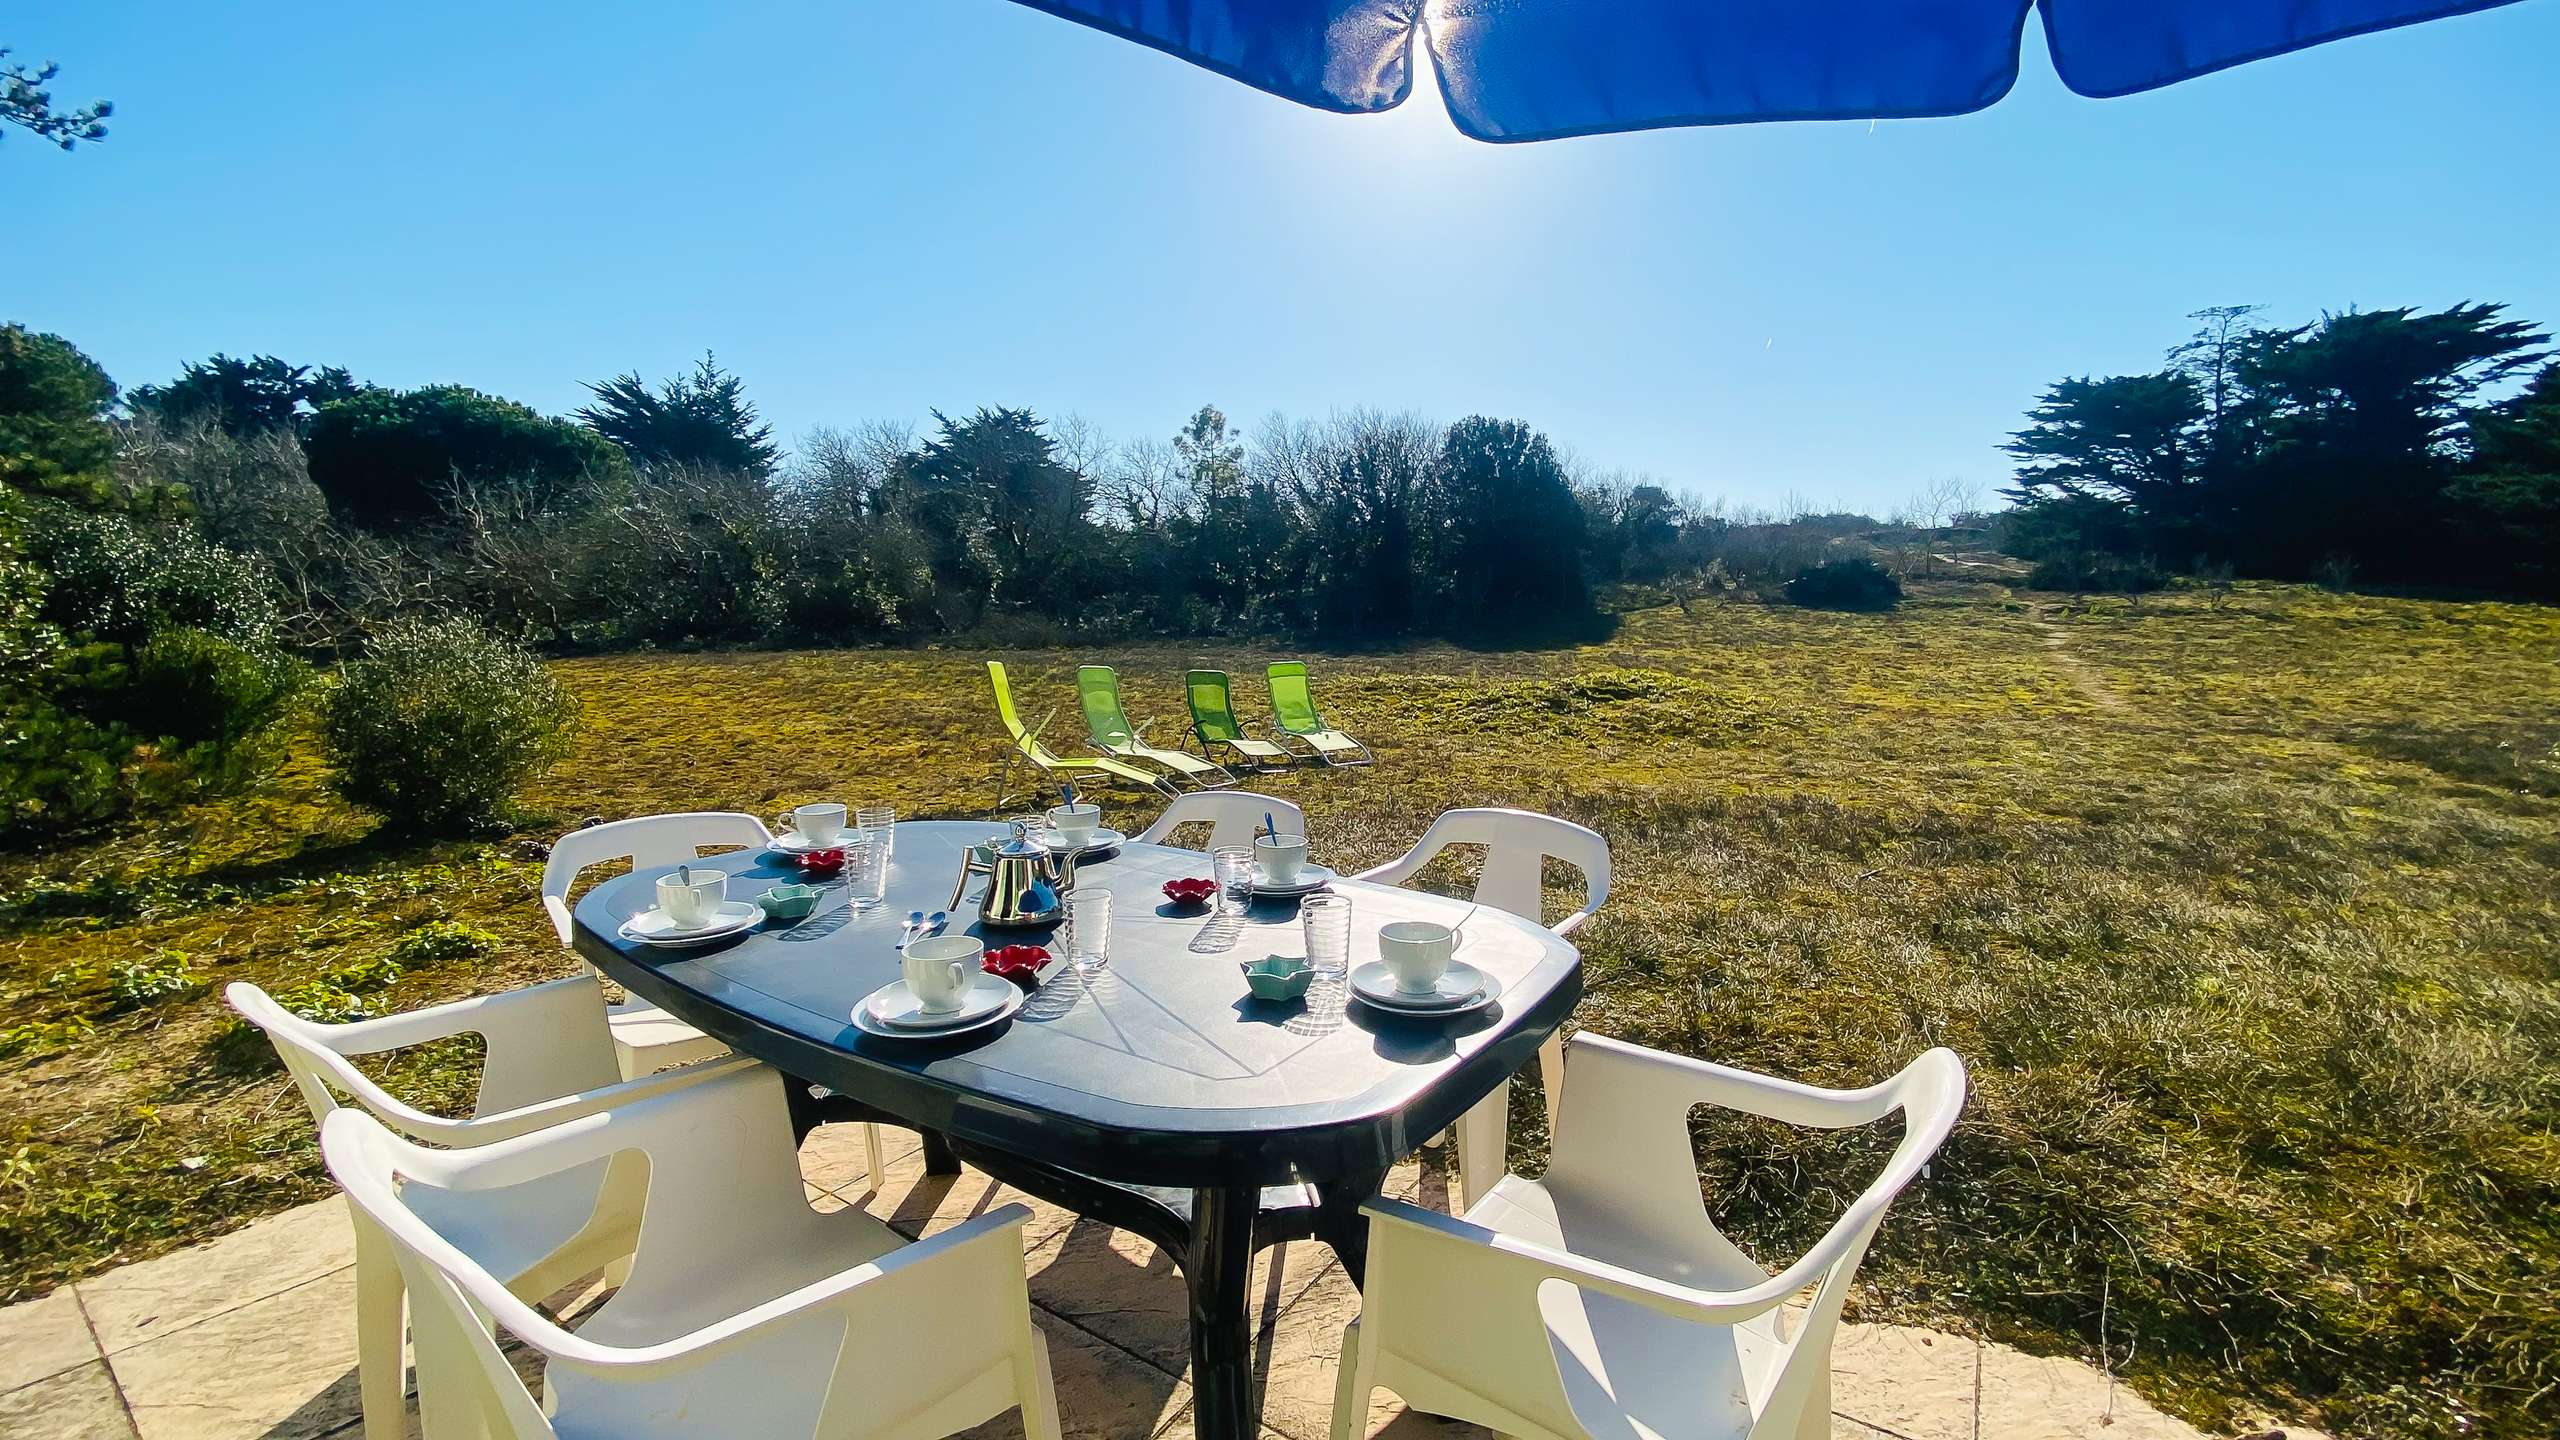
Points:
[(1540, 69)]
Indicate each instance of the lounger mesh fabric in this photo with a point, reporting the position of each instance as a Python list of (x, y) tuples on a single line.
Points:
[(1291, 700), (1099, 689), (1540, 69), (1212, 714)]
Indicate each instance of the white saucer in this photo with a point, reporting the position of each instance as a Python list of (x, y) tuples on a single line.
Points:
[(1462, 988), (894, 1011), (655, 926), (792, 842), (1311, 878), (1103, 838)]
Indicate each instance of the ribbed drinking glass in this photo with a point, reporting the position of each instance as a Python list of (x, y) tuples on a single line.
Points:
[(1327, 918), (882, 821), (1234, 865), (1089, 928), (866, 869)]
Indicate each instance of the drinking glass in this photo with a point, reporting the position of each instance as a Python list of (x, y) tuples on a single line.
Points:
[(1089, 928), (866, 869), (880, 821), (1234, 864), (1328, 922)]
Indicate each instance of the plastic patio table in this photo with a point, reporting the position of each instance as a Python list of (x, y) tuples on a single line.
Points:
[(1156, 1095)]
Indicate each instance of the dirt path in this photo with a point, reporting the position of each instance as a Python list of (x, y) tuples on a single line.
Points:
[(2084, 676)]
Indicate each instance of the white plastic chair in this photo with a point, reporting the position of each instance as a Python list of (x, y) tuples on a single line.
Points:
[(1517, 845), (745, 1312), (1233, 816), (1602, 1301), (547, 1059), (644, 1036)]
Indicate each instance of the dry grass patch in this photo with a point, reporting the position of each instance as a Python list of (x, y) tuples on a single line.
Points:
[(2242, 911)]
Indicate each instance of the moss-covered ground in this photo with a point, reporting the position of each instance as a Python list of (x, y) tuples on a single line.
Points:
[(2241, 908)]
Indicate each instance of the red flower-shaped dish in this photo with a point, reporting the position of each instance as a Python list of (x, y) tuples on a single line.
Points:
[(820, 862), (1190, 892), (1017, 963)]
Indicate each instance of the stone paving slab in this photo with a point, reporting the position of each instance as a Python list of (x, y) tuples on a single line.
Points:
[(43, 1338), (251, 1337), (77, 1404), (132, 1304), (281, 1368)]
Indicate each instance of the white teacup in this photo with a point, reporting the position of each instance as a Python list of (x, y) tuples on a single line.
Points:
[(1417, 953), (820, 825), (691, 904), (1075, 824), (1280, 856), (940, 970)]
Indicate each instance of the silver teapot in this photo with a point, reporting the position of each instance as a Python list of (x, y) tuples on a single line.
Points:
[(1026, 881)]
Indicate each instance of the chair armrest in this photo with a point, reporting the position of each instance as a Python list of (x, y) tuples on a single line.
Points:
[(543, 1114), (557, 907), (1513, 1264), (1573, 922), (549, 1059), (1635, 1075), (1623, 1136), (994, 1238), (1397, 871), (530, 1009)]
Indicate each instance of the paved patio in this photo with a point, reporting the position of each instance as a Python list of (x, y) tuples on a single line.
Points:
[(251, 1337)]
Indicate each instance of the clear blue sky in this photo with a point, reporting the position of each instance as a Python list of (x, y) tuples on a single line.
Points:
[(871, 209)]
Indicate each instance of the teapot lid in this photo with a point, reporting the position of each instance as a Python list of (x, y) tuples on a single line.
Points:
[(1020, 844)]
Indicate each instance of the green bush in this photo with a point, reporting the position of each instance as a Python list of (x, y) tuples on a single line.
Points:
[(58, 770), (440, 722), (205, 690), (387, 457), (1859, 584), (118, 580), (2105, 574), (142, 664)]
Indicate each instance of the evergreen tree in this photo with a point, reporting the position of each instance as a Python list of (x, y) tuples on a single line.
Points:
[(703, 419), (1509, 542), (54, 401), (243, 398)]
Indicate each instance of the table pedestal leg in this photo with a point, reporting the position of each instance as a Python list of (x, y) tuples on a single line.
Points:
[(938, 1159), (1339, 1223), (1218, 1270), (809, 1111)]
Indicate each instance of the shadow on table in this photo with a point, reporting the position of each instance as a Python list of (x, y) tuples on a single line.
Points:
[(816, 927), (1218, 936), (1065, 988)]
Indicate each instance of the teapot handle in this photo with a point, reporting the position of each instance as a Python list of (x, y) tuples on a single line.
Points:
[(974, 860)]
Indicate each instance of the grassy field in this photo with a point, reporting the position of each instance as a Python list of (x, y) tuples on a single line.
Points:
[(2241, 909)]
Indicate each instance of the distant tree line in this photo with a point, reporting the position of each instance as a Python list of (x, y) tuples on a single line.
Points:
[(667, 515), (2392, 446)]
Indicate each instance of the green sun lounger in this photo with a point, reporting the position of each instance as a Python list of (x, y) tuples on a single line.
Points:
[(1294, 706), (1098, 686), (1215, 726), (1056, 765)]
